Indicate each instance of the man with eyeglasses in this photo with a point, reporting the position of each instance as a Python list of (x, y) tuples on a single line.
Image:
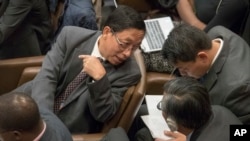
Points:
[(189, 114), (99, 95)]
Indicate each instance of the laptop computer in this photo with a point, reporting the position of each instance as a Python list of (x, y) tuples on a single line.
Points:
[(157, 31)]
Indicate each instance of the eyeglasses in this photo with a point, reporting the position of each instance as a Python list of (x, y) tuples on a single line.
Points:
[(159, 105), (124, 46)]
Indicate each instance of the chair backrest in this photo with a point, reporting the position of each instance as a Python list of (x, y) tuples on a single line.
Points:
[(28, 74), (139, 5), (156, 81), (11, 71)]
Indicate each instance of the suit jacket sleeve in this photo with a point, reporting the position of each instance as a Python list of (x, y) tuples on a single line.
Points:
[(55, 128), (106, 94), (14, 15), (45, 83)]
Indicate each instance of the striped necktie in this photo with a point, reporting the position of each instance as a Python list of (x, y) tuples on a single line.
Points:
[(60, 100)]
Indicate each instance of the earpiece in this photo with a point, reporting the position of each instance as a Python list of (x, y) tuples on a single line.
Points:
[(172, 124)]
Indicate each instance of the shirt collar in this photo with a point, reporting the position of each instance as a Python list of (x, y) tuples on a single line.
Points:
[(189, 136), (41, 134), (96, 51), (218, 52)]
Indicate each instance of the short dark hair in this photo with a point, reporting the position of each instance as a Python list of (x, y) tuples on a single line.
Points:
[(187, 102), (184, 42), (125, 17), (18, 111)]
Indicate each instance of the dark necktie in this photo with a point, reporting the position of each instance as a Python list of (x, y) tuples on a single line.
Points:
[(59, 102)]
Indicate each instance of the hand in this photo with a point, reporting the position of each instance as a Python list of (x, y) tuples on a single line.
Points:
[(187, 14), (176, 136), (92, 66)]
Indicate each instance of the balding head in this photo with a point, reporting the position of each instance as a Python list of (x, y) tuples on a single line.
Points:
[(18, 112)]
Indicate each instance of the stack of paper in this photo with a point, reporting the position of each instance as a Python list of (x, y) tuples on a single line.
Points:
[(155, 121)]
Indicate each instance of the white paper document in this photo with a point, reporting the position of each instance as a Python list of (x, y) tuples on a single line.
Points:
[(152, 101), (156, 124), (155, 121)]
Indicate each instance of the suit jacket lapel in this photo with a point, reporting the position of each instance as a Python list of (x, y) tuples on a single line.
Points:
[(75, 64), (210, 79), (76, 67), (216, 68), (83, 87)]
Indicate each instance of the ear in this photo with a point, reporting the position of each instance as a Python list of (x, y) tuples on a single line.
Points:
[(18, 135), (106, 30), (202, 56)]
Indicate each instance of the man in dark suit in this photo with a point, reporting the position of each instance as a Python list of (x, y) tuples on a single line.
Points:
[(76, 50), (221, 64), (20, 120), (25, 27), (186, 102)]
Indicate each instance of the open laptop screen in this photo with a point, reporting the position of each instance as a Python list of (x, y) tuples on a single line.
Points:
[(157, 31)]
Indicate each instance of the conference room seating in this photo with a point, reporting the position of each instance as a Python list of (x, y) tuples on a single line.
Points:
[(15, 72)]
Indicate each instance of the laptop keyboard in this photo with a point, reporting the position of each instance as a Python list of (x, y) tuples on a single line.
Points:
[(154, 35)]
